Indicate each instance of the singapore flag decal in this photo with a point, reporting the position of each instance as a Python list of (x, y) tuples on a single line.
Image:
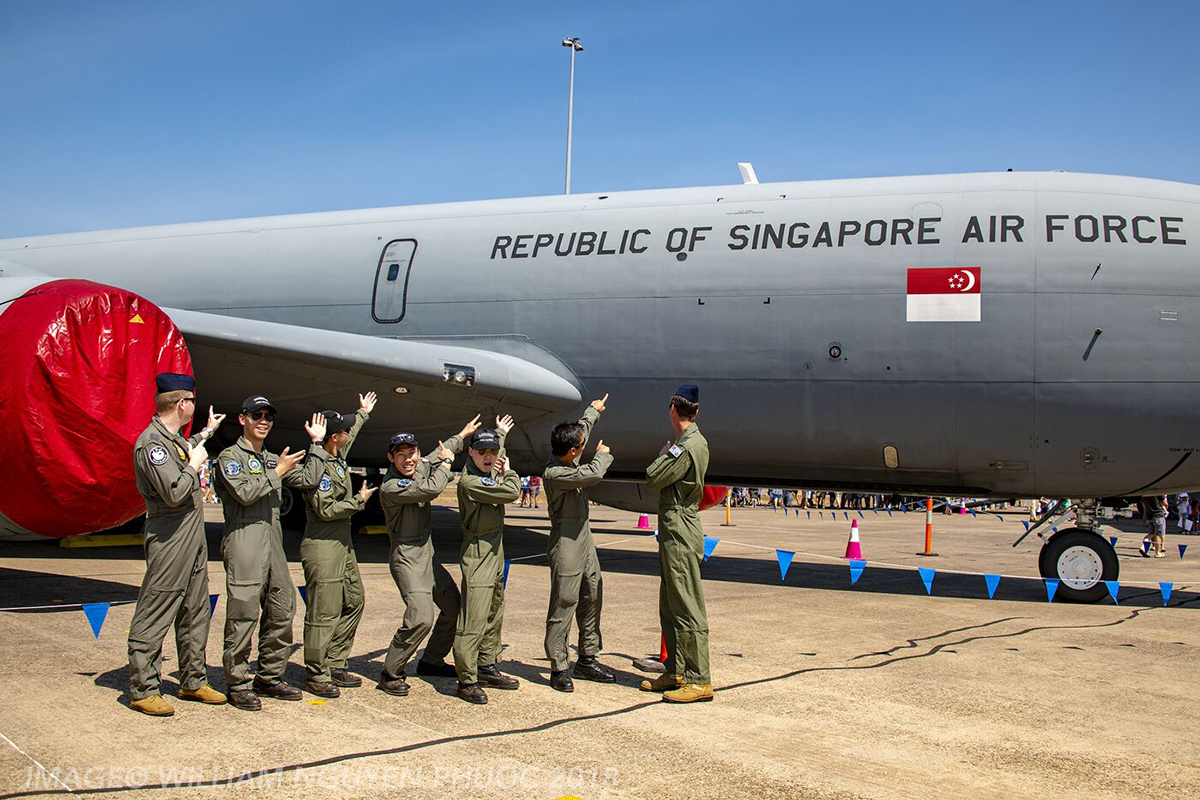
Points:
[(944, 294)]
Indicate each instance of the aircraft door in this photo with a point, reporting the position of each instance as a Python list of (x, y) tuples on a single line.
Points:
[(390, 299)]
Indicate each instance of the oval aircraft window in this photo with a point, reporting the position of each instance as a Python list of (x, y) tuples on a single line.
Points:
[(890, 457)]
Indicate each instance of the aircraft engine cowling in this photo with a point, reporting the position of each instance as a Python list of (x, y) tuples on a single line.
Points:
[(77, 367)]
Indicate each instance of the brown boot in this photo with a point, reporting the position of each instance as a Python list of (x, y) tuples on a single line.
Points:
[(205, 694), (662, 683), (690, 693), (154, 705)]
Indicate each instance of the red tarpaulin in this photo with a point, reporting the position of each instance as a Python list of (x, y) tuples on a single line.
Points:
[(77, 367)]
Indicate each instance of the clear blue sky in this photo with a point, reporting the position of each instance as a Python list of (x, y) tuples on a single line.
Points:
[(136, 113)]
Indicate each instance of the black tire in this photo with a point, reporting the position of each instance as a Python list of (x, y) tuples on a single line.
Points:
[(1081, 561), (291, 511)]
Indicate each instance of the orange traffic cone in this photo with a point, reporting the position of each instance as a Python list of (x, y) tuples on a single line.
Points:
[(854, 547)]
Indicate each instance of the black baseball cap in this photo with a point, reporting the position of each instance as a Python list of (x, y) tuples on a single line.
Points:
[(403, 438), (336, 423), (485, 439), (254, 402)]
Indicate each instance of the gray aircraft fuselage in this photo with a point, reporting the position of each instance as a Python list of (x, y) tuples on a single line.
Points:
[(785, 302)]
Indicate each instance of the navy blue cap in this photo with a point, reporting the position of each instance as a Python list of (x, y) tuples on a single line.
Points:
[(174, 382), (689, 391), (485, 439), (336, 423), (254, 402), (403, 438)]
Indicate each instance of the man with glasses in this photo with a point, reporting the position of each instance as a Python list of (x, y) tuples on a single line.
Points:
[(486, 486), (430, 595), (250, 485), (335, 588), (174, 591)]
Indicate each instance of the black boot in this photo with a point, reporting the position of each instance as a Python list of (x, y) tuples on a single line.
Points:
[(395, 686), (321, 688), (343, 678), (245, 699), (589, 669), (472, 693), (491, 676), (279, 690), (561, 680)]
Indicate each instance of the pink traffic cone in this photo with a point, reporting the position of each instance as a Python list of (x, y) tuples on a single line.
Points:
[(854, 547), (644, 522)]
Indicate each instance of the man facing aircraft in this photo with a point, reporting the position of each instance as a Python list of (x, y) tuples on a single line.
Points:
[(678, 477)]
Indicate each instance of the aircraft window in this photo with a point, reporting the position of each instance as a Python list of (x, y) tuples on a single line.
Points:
[(390, 300), (890, 457)]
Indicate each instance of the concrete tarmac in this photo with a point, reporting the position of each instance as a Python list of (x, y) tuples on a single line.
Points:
[(824, 689)]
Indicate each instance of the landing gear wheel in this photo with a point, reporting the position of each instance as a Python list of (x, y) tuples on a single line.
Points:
[(1081, 561), (291, 510)]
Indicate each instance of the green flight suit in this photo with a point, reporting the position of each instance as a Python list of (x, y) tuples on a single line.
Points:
[(678, 476), (256, 567), (334, 585), (481, 501), (422, 580), (576, 585), (175, 589)]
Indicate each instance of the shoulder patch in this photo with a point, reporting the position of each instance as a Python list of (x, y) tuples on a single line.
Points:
[(157, 455), (488, 481), (404, 482), (231, 469), (272, 463), (676, 451), (183, 456), (254, 466), (325, 485), (341, 471)]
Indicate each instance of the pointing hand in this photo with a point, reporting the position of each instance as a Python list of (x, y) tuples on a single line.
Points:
[(365, 492), (469, 428), (599, 404), (666, 448), (214, 419), (601, 447), (442, 452)]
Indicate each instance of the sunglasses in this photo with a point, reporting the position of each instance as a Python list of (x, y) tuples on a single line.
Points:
[(187, 399), (269, 416)]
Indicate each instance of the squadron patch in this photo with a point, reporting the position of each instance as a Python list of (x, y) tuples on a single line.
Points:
[(232, 469), (325, 485), (340, 471), (404, 482), (676, 451), (157, 455), (183, 456), (488, 481), (254, 466)]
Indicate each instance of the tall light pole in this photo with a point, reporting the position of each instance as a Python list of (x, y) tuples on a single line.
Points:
[(575, 46)]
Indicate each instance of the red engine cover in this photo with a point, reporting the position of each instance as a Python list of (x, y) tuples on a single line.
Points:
[(712, 496), (77, 367)]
